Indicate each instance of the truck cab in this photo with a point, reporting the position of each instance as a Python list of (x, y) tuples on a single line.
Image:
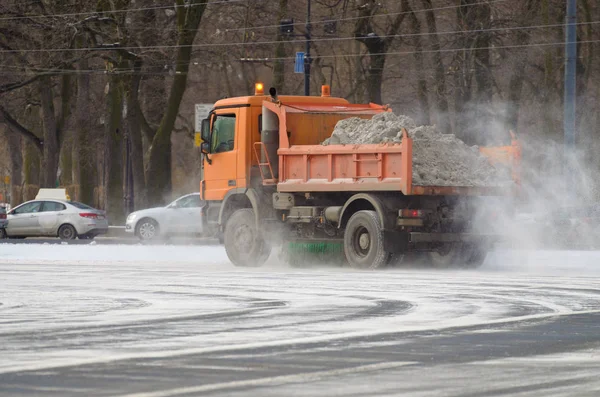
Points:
[(240, 147)]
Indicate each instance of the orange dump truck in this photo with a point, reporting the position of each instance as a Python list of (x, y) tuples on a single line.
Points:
[(267, 179)]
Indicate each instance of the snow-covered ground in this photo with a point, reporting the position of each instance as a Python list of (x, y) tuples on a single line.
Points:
[(63, 305)]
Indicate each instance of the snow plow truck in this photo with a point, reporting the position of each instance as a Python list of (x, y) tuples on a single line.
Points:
[(268, 181)]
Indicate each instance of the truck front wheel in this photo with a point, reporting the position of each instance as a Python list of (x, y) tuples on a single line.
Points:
[(244, 244), (363, 241)]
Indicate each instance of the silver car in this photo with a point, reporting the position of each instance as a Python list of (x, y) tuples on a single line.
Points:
[(65, 219), (183, 217)]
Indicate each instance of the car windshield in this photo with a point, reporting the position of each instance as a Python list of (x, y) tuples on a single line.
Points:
[(81, 206)]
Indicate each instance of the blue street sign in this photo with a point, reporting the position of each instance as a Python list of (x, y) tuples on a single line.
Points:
[(299, 65)]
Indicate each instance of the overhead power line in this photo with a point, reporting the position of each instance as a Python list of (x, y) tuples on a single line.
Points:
[(257, 27), (259, 43), (73, 14), (391, 53)]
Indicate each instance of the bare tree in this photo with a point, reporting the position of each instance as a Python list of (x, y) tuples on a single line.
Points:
[(376, 45), (159, 170)]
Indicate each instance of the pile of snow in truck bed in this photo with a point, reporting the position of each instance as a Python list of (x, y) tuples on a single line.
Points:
[(438, 159)]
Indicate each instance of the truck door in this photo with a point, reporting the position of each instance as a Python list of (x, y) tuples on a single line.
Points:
[(220, 175)]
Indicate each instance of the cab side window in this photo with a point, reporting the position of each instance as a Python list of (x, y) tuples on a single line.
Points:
[(223, 133)]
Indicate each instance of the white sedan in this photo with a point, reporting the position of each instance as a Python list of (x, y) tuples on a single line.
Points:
[(183, 217), (53, 217)]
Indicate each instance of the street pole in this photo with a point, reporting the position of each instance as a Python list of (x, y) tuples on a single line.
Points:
[(307, 59), (570, 77), (569, 119)]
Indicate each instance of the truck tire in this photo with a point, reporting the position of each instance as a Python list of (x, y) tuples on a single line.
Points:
[(446, 257), (457, 256), (363, 241), (475, 256), (244, 244)]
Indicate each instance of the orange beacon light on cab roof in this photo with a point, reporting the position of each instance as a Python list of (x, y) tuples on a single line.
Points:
[(259, 89)]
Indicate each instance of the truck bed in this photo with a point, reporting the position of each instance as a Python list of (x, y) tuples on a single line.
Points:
[(357, 168)]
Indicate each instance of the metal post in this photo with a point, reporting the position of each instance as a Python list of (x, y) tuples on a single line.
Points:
[(570, 77), (307, 59), (569, 120)]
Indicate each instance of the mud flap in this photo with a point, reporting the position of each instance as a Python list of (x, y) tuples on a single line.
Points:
[(395, 242)]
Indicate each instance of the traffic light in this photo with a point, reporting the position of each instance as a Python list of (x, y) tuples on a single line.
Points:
[(330, 26), (286, 26)]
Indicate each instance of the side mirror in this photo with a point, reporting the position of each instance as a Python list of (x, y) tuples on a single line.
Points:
[(205, 130), (205, 147)]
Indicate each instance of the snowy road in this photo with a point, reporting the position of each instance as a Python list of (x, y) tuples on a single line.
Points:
[(173, 321)]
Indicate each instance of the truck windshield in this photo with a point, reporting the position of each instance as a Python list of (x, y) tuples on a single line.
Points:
[(223, 133)]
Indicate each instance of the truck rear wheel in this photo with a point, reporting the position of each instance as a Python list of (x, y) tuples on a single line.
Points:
[(475, 256), (244, 244), (363, 241), (457, 256)]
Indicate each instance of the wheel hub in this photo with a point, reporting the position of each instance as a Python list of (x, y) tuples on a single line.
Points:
[(361, 241), (147, 230), (364, 241), (243, 238)]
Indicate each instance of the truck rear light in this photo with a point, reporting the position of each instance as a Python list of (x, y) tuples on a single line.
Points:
[(408, 213)]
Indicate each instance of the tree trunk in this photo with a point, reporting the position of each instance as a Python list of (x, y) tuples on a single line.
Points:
[(113, 135), (66, 162), (515, 86), (280, 53), (423, 117), (83, 155), (51, 151), (359, 76), (159, 170), (134, 130), (441, 99), (14, 142), (376, 46)]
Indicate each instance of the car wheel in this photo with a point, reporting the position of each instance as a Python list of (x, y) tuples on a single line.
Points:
[(147, 229), (3, 234), (67, 232)]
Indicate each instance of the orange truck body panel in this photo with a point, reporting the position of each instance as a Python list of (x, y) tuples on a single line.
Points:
[(311, 167), (307, 166)]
